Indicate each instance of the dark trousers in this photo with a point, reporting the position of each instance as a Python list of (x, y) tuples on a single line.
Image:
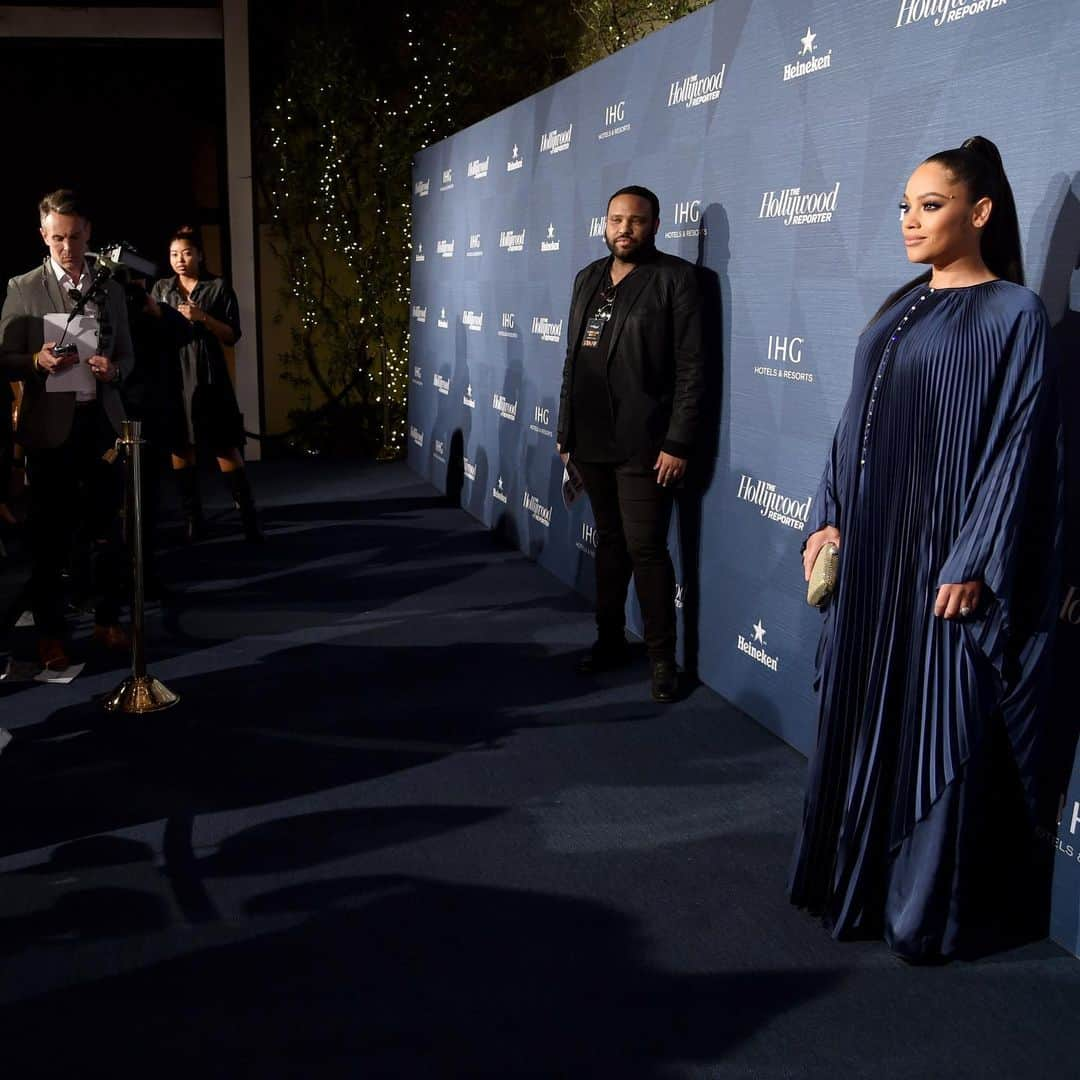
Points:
[(7, 445), (632, 514), (75, 498)]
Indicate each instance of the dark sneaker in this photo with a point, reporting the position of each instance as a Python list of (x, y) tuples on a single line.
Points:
[(665, 681)]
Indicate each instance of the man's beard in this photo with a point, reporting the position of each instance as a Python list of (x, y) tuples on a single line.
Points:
[(640, 251)]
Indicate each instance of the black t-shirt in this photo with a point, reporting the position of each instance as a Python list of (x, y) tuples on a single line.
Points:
[(594, 418)]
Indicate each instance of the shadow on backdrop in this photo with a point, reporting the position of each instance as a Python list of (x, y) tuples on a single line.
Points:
[(1060, 290), (712, 262)]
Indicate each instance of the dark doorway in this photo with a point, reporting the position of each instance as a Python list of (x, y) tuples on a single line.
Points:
[(138, 127)]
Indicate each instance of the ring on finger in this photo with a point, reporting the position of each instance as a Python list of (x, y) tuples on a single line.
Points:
[(965, 611)]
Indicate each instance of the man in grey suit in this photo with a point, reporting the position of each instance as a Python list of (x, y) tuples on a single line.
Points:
[(69, 435)]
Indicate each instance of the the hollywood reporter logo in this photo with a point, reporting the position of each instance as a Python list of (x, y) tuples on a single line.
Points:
[(795, 207), (547, 330), (773, 504), (942, 11), (541, 514), (509, 240), (697, 89), (555, 142)]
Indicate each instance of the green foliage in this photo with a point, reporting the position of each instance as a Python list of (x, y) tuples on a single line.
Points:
[(611, 25)]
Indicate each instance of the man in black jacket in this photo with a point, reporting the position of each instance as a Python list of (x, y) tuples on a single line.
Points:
[(628, 415)]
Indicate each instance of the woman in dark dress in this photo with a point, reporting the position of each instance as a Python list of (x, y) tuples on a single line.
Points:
[(942, 490), (206, 412)]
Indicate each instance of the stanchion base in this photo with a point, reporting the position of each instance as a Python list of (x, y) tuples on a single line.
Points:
[(140, 694)]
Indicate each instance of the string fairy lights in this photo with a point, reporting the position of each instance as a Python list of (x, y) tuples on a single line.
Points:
[(342, 138)]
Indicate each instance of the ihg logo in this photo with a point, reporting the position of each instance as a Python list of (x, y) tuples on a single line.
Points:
[(783, 350), (687, 212)]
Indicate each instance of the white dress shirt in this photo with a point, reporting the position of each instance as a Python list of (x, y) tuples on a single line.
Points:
[(66, 283)]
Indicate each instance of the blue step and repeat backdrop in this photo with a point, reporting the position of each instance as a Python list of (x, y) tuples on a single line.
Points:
[(779, 135)]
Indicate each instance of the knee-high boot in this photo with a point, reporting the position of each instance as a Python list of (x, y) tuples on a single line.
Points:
[(245, 502), (187, 483)]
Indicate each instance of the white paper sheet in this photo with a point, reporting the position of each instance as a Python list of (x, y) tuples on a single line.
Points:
[(83, 333), (18, 671)]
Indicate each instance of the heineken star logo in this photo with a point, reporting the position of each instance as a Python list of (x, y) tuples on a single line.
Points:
[(807, 42)]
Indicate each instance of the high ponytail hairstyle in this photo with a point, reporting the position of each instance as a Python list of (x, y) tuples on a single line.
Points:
[(977, 164)]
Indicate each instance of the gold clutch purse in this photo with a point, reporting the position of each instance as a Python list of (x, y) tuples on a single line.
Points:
[(823, 576)]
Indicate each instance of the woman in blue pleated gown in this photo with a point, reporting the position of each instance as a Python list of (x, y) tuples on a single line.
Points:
[(942, 491)]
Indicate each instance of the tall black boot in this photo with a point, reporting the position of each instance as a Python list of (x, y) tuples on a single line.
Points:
[(245, 502), (187, 483)]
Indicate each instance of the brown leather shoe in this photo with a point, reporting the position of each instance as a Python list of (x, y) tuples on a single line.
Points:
[(113, 636), (52, 654)]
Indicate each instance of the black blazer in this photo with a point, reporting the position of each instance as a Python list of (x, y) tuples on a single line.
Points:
[(656, 376), (45, 419)]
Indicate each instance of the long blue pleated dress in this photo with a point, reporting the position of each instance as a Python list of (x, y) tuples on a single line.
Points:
[(924, 786)]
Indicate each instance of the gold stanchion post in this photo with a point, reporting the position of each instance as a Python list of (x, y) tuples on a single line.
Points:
[(140, 692)]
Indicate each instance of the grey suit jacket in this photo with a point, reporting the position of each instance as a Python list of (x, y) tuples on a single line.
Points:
[(45, 419)]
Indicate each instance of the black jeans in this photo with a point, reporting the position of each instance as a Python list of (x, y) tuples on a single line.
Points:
[(75, 497), (632, 514)]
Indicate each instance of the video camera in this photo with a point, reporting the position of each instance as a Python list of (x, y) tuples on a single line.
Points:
[(123, 262), (127, 268)]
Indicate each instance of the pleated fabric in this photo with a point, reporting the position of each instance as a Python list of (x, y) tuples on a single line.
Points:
[(945, 468)]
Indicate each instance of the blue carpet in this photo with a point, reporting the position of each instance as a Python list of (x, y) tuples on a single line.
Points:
[(387, 832)]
